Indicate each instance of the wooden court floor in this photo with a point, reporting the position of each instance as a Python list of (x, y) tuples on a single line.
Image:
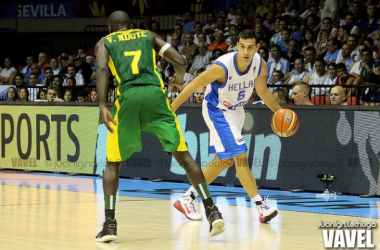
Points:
[(45, 212)]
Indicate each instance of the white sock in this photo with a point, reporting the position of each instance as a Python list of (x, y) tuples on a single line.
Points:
[(190, 191), (256, 198)]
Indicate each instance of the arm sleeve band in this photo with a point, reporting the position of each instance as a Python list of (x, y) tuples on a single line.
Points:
[(163, 49)]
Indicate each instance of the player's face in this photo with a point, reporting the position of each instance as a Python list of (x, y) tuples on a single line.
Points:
[(247, 49)]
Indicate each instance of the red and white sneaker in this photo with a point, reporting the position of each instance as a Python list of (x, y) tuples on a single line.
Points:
[(266, 213), (188, 207)]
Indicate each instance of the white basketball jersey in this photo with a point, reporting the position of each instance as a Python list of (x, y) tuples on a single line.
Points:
[(238, 86)]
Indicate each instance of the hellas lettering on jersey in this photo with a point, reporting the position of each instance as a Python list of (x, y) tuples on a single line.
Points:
[(131, 36), (240, 86)]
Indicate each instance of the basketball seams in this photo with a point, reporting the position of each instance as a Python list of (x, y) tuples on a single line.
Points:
[(278, 120)]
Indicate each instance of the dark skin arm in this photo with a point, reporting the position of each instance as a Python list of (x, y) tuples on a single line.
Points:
[(102, 88), (171, 55)]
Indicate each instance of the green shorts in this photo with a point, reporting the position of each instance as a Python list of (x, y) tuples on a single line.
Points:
[(144, 108)]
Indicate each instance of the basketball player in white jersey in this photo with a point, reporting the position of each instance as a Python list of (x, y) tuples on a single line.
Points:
[(230, 82)]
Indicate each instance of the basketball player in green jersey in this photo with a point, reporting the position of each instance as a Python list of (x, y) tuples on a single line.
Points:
[(142, 105)]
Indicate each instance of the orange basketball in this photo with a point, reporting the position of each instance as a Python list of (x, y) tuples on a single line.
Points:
[(285, 123)]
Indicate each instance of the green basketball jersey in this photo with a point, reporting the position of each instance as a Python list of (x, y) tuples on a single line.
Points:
[(132, 59)]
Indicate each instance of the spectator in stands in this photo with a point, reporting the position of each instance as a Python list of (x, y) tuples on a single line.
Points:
[(83, 67), (310, 56), (311, 24), (350, 22), (202, 59), (321, 44), (277, 62), (58, 81), (197, 31), (234, 37), (72, 72), (277, 36), (276, 79), (12, 94), (68, 95), (309, 38), (23, 95), (176, 42), (26, 70), (298, 74), (240, 23), (70, 82), (375, 35), (41, 95), (329, 8), (292, 54), (319, 77), (34, 80), (280, 96), (327, 24), (364, 66), (296, 33), (333, 78), (346, 57), (49, 75), (19, 79), (210, 24), (43, 60), (337, 96), (53, 94), (332, 51), (92, 62), (345, 79), (40, 75), (7, 71), (199, 95), (269, 21), (284, 42), (369, 23), (64, 62), (54, 66), (94, 96), (190, 49), (155, 27), (370, 96), (343, 33), (82, 96), (219, 42), (178, 30), (186, 21), (301, 94), (354, 43), (221, 27), (263, 52)]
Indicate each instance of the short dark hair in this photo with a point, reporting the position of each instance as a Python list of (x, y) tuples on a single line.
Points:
[(54, 87), (281, 94), (247, 34)]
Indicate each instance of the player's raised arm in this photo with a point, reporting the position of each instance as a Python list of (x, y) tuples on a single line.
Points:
[(171, 55), (263, 91), (214, 73)]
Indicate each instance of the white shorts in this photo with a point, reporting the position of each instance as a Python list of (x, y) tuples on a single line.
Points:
[(225, 130)]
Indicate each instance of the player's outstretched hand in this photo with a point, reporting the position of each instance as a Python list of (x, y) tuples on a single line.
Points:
[(107, 119)]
